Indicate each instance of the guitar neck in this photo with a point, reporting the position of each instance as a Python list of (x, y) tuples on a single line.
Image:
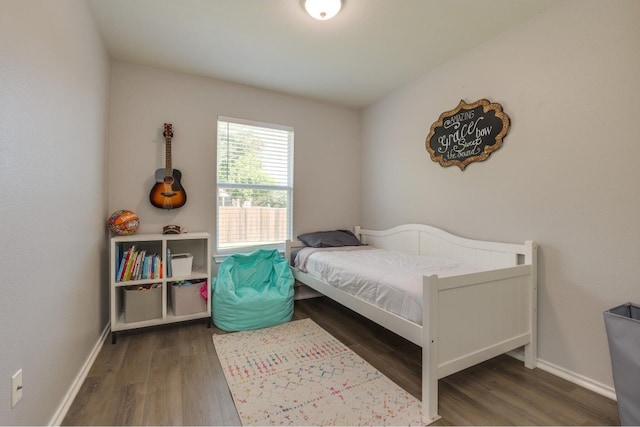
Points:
[(167, 154)]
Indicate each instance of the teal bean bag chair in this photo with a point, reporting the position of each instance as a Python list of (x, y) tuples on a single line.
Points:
[(252, 291)]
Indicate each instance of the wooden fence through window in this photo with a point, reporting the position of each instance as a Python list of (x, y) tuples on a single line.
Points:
[(252, 224)]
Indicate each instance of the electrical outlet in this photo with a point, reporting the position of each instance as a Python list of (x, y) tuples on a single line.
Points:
[(16, 388)]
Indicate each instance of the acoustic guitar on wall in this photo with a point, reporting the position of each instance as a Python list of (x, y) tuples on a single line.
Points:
[(167, 192)]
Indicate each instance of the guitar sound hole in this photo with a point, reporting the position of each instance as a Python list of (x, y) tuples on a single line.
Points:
[(168, 180)]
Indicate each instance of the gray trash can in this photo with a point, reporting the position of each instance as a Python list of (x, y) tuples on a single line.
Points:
[(623, 333)]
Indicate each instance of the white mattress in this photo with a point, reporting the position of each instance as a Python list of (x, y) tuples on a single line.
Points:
[(388, 279)]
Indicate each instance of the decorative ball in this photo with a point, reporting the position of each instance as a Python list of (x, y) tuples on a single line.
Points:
[(123, 222)]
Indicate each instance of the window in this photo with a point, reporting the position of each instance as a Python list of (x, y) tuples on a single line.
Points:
[(255, 185)]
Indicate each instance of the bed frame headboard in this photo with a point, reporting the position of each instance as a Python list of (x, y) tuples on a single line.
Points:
[(421, 239)]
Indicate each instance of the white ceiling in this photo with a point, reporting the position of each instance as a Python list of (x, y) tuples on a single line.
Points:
[(369, 49)]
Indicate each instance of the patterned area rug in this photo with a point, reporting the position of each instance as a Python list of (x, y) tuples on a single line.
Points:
[(298, 374)]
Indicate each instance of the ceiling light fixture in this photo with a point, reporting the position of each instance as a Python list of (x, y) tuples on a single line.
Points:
[(323, 9)]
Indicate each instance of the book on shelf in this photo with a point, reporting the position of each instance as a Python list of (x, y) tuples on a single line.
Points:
[(120, 268), (136, 265), (169, 272), (126, 261), (118, 259)]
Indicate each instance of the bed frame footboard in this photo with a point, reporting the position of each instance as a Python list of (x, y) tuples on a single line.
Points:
[(470, 319)]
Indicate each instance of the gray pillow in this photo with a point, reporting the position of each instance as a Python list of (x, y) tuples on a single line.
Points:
[(330, 239)]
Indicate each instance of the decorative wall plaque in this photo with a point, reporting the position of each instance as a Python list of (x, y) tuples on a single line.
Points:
[(469, 133)]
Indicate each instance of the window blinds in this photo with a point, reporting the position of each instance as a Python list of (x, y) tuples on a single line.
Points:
[(254, 183)]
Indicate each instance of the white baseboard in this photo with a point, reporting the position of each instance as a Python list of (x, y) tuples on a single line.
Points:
[(578, 379), (62, 410)]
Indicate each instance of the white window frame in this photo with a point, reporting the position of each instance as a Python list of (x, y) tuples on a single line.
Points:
[(221, 253)]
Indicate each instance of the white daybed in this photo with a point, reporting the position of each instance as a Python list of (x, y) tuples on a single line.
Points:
[(467, 319)]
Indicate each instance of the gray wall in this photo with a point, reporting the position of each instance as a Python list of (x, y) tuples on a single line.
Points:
[(142, 99), (567, 175), (53, 112)]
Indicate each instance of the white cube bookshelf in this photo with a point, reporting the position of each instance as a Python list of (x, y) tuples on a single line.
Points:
[(196, 244)]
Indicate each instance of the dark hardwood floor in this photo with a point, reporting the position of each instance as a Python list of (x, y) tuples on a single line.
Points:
[(171, 376)]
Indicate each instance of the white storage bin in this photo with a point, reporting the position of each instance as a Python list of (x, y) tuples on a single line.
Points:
[(181, 264)]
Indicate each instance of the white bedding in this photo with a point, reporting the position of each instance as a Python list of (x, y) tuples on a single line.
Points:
[(391, 280)]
